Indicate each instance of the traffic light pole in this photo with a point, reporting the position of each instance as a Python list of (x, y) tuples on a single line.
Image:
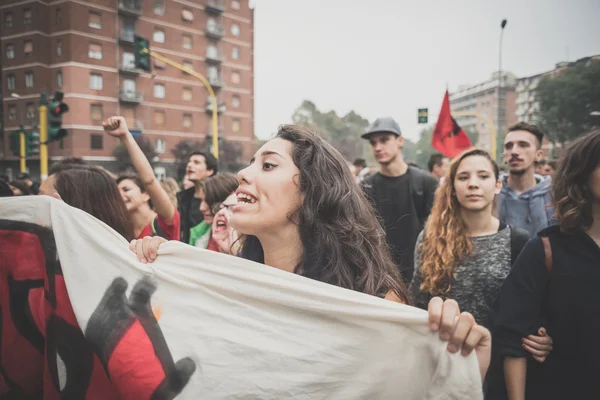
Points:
[(22, 156), (43, 138), (211, 92)]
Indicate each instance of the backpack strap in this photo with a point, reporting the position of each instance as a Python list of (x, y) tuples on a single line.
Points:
[(518, 238), (156, 229), (547, 252), (417, 183)]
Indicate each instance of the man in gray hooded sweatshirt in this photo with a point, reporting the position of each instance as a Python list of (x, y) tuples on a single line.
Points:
[(525, 200)]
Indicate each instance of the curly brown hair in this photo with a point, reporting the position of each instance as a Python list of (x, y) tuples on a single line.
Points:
[(445, 242), (570, 190)]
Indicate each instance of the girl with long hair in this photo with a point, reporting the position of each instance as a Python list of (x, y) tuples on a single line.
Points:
[(556, 278), (465, 253), (149, 206), (300, 210)]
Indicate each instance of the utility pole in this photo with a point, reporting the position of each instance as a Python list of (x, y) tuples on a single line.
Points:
[(43, 138), (22, 150)]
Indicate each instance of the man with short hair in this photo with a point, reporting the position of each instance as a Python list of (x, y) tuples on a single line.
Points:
[(33, 186), (525, 200), (361, 170), (200, 167), (549, 168), (438, 166), (401, 195)]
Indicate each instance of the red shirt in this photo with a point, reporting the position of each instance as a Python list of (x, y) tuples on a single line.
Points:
[(169, 231)]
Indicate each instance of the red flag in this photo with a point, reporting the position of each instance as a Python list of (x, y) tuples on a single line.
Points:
[(448, 137)]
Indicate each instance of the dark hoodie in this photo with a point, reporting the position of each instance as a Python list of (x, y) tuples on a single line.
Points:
[(531, 210)]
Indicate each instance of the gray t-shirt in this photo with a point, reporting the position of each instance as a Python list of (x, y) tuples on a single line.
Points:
[(477, 280)]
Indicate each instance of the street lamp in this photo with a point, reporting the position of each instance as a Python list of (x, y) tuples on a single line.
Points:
[(498, 124)]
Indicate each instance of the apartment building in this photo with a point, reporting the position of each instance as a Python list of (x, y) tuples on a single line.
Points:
[(85, 49), (482, 99)]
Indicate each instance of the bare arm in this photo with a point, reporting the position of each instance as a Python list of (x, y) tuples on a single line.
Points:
[(515, 373), (116, 126)]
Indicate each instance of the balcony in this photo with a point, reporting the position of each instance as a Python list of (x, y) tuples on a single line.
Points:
[(126, 37), (216, 82), (130, 96), (215, 31), (129, 69), (213, 58), (216, 7), (221, 108), (132, 8)]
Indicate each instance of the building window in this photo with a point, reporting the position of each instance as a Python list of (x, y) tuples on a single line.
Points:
[(59, 81), (27, 16), (235, 53), (96, 141), (10, 51), (57, 17), (159, 90), (186, 42), (188, 65), (96, 81), (187, 15), (29, 79), (159, 7), (235, 77), (128, 60), (186, 94), (95, 51), (212, 72), (30, 111), (212, 52), (235, 4), (158, 36), (96, 112), (159, 118), (28, 47), (12, 113), (161, 146), (235, 125), (8, 20), (94, 20), (11, 82), (187, 120), (235, 30), (59, 48), (235, 101)]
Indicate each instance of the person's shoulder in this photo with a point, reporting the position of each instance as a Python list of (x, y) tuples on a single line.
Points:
[(371, 180), (424, 175)]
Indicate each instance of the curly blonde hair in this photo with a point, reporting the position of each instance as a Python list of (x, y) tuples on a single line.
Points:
[(445, 242)]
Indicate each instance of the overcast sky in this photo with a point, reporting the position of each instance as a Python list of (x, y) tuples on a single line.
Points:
[(390, 57)]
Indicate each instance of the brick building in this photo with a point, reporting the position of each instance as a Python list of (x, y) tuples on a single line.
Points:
[(482, 99), (85, 49)]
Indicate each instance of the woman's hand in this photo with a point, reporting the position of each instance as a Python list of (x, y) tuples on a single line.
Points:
[(539, 346), (461, 331), (146, 249)]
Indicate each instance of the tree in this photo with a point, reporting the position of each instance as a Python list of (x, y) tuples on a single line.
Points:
[(123, 160), (182, 152), (566, 102), (343, 133), (230, 156)]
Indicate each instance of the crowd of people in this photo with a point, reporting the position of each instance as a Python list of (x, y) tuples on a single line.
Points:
[(518, 250)]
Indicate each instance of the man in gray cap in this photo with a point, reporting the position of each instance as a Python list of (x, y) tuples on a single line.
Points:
[(402, 195)]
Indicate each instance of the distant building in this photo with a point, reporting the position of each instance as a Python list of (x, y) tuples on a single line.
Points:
[(482, 99), (527, 105), (85, 49)]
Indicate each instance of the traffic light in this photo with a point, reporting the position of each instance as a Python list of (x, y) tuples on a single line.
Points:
[(15, 143), (423, 114), (32, 142), (56, 108), (142, 58)]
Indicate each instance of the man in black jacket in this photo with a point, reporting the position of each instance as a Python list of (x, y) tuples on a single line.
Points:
[(200, 167), (402, 195)]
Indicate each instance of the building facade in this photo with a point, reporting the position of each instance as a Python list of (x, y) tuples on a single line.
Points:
[(482, 99), (85, 49)]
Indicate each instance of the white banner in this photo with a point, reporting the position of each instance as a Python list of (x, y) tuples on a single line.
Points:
[(229, 328)]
